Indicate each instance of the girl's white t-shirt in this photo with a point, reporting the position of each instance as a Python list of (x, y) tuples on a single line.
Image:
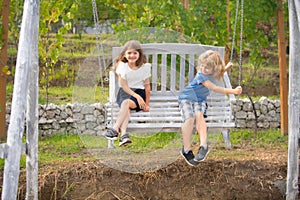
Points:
[(134, 78)]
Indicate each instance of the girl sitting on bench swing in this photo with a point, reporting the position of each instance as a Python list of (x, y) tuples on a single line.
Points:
[(134, 93)]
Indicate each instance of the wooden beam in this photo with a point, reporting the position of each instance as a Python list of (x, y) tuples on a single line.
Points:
[(292, 188), (27, 59), (3, 62), (283, 70)]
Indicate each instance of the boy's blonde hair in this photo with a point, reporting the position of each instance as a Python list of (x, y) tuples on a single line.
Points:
[(213, 60), (131, 44)]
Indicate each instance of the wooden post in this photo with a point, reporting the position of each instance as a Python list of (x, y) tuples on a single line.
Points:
[(3, 62), (283, 70), (26, 59), (294, 101), (32, 115)]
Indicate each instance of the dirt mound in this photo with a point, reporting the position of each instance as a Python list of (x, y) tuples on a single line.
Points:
[(243, 174)]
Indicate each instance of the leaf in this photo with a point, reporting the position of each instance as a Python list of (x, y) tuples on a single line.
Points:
[(6, 71)]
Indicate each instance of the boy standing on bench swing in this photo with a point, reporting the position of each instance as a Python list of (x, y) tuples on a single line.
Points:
[(192, 103)]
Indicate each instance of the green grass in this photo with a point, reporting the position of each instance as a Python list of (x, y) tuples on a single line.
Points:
[(65, 95), (140, 142), (147, 143), (56, 95), (60, 147), (264, 138), (72, 147)]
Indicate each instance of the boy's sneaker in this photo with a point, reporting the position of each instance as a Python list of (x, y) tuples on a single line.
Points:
[(202, 153), (124, 140), (189, 157), (111, 134)]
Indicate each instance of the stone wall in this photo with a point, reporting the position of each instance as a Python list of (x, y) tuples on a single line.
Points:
[(70, 118), (90, 119), (267, 111)]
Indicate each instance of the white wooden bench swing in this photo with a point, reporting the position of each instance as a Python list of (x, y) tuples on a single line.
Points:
[(173, 67)]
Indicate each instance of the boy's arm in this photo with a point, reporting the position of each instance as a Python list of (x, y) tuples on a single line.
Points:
[(228, 66), (222, 90)]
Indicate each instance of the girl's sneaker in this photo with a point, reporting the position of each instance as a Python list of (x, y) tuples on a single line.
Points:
[(202, 153), (111, 134), (124, 140), (189, 157)]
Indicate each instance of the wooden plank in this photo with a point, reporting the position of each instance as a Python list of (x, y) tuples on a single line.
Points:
[(154, 72), (182, 72), (164, 74), (173, 73), (191, 67)]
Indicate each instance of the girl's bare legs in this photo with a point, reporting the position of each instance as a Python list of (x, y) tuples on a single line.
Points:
[(201, 129), (187, 129), (123, 116)]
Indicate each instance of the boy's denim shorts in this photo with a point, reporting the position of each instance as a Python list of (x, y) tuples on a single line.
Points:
[(188, 109)]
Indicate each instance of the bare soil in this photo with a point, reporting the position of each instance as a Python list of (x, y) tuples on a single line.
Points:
[(243, 173)]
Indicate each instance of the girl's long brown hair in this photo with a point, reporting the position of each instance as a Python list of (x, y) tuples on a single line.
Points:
[(131, 44)]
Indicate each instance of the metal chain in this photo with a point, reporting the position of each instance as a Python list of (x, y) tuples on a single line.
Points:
[(234, 30), (99, 41), (241, 43), (96, 21)]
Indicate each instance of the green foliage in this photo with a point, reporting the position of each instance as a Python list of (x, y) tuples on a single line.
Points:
[(49, 49), (208, 22), (203, 22), (149, 21)]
